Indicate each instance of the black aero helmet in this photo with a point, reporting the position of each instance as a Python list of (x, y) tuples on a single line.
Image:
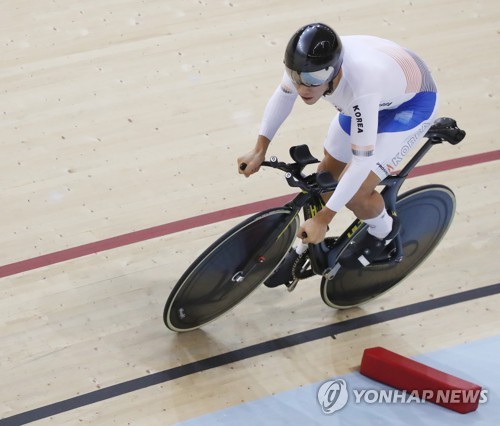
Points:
[(314, 55)]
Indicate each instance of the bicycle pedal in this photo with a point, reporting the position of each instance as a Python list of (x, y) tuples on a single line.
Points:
[(388, 256), (331, 272), (302, 267), (291, 287), (283, 274)]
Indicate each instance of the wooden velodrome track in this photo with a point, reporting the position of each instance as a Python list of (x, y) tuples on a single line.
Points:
[(120, 125)]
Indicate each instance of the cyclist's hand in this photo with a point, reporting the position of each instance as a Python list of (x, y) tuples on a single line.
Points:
[(250, 163), (312, 231)]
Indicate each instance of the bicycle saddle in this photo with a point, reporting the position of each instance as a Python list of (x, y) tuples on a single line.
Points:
[(445, 129)]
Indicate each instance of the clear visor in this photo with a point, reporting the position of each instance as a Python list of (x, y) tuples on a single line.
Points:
[(313, 78)]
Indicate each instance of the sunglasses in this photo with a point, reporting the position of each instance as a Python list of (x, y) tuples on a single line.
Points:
[(310, 79)]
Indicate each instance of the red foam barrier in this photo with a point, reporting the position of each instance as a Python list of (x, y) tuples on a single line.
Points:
[(426, 382)]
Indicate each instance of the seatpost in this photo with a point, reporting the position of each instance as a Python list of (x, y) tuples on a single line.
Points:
[(393, 183)]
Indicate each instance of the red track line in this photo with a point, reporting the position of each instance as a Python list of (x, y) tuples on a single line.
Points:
[(142, 235), (455, 163), (206, 219)]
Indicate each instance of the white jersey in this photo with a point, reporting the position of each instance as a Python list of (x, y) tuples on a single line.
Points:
[(377, 75)]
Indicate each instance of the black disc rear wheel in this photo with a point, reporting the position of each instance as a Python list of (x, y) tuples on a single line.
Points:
[(425, 214), (230, 269)]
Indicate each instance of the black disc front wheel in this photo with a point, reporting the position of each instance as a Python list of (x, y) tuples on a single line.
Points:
[(230, 269), (425, 214)]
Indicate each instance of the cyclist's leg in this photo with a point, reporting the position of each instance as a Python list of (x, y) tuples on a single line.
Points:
[(399, 130), (394, 141), (337, 149), (396, 137), (336, 152), (332, 165)]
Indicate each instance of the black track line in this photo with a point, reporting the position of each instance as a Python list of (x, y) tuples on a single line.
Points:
[(245, 353)]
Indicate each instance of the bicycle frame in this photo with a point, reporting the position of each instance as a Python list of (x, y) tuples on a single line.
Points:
[(324, 259)]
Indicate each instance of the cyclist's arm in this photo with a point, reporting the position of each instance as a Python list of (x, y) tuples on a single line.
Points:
[(278, 108), (276, 111), (364, 123)]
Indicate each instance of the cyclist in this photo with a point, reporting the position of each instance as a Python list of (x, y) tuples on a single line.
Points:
[(386, 100)]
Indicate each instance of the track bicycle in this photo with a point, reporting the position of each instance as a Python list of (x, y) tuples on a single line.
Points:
[(245, 256)]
